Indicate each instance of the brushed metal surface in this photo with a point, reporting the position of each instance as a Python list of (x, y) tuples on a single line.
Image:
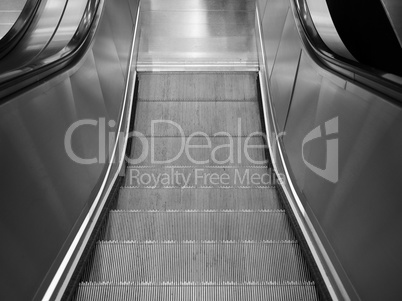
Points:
[(197, 34), (325, 26), (45, 193), (199, 199), (166, 148), (196, 247), (393, 8), (175, 5), (211, 291), (284, 71), (273, 22), (355, 218), (301, 117), (182, 225), (261, 4)]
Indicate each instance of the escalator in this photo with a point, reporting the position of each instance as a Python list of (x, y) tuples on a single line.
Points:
[(182, 150), (203, 238)]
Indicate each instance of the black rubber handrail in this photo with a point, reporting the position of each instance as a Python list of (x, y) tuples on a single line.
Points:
[(41, 69), (384, 83), (19, 28)]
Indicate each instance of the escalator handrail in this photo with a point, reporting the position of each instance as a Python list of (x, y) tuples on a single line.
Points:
[(19, 28), (40, 69), (374, 79)]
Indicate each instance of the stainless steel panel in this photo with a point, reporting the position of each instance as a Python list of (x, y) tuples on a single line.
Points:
[(356, 218), (301, 118), (393, 8), (199, 33), (225, 17), (94, 102), (187, 5), (133, 9), (272, 27), (108, 66), (44, 192), (39, 190), (261, 4), (162, 49), (360, 213), (284, 72), (176, 30), (121, 23)]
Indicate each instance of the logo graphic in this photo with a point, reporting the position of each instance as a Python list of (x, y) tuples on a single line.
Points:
[(197, 159), (331, 170)]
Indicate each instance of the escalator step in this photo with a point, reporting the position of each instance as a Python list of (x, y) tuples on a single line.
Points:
[(178, 119), (198, 225), (198, 87), (198, 198), (194, 177), (199, 262), (208, 151), (218, 292)]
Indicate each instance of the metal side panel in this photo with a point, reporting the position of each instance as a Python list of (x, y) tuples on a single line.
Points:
[(45, 194), (360, 213), (246, 5), (273, 22), (284, 71), (261, 4), (197, 35), (121, 23), (341, 154), (39, 198), (301, 117), (108, 66)]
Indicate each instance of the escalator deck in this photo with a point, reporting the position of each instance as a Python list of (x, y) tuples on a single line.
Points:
[(209, 224)]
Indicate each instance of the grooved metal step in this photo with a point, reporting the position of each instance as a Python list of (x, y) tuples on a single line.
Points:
[(197, 240), (199, 262), (198, 198), (164, 149), (229, 86), (193, 176), (178, 118), (198, 225), (206, 292)]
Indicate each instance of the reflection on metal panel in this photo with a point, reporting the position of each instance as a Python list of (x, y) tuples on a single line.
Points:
[(301, 118), (393, 8), (359, 210), (356, 217), (186, 5), (205, 33), (44, 192), (261, 4), (284, 72), (273, 22), (326, 28)]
